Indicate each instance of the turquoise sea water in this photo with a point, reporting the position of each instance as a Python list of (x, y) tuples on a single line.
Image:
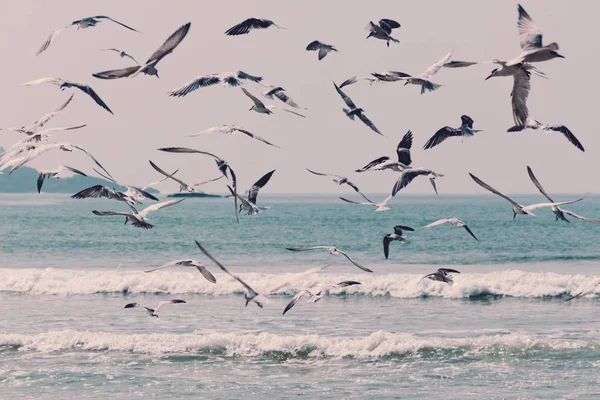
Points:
[(502, 330)]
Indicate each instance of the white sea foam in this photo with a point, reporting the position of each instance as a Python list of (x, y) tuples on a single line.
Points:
[(378, 344), (513, 283)]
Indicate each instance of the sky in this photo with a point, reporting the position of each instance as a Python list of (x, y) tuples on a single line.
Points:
[(145, 118)]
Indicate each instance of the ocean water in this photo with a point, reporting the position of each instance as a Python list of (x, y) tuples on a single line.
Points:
[(501, 331)]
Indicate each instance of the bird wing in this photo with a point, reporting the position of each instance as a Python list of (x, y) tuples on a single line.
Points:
[(280, 94), (386, 246), (160, 180), (295, 300), (187, 150), (346, 99), (388, 24), (324, 51), (572, 214), (491, 189), (50, 38), (568, 134), (354, 262), (116, 22), (519, 94), (308, 248), (441, 135), (142, 192), (368, 122), (252, 135), (315, 45), (403, 149), (357, 190), (201, 81), (170, 44), (90, 92), (164, 303), (257, 102), (245, 26), (460, 64), (364, 203), (322, 174), (246, 76), (436, 223), (40, 180), (296, 277), (206, 273), (529, 34), (158, 206), (75, 171), (470, 232), (448, 271), (373, 164), (117, 73), (43, 120), (124, 214), (432, 70), (167, 176), (99, 191), (253, 193), (543, 205), (208, 181), (406, 177), (538, 184), (53, 80)]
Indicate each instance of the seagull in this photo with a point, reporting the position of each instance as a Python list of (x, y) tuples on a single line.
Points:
[(341, 180), (232, 79), (80, 23), (331, 250), (123, 54), (233, 130), (251, 295), (153, 311), (383, 30), (39, 123), (510, 70), (63, 84), (442, 275), (380, 207), (62, 171), (37, 137), (189, 263), (353, 111), (323, 48), (558, 212), (452, 221), (260, 107), (403, 153), (397, 235), (250, 205), (251, 23), (313, 298), (536, 125), (408, 175), (138, 219), (279, 92), (464, 130), (519, 209), (187, 187), (423, 79)]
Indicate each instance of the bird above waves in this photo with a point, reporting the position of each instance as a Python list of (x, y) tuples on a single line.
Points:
[(452, 221), (380, 207), (261, 108), (331, 250), (63, 84), (231, 79), (188, 263), (183, 186), (314, 297), (465, 130), (383, 30), (408, 175), (441, 275), (81, 24), (341, 180), (249, 24), (63, 171), (385, 162), (397, 235), (353, 111), (153, 312), (233, 130), (139, 219), (122, 54), (249, 205), (323, 48)]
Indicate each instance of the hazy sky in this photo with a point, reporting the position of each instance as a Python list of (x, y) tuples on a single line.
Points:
[(146, 118)]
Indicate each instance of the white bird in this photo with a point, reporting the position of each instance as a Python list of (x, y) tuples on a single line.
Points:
[(509, 70), (341, 180), (397, 235), (250, 205), (385, 162), (123, 54), (519, 209), (39, 123), (380, 207), (353, 111), (452, 221), (63, 171), (81, 24), (465, 130), (138, 219), (331, 250), (313, 298), (187, 187), (323, 48), (153, 312), (383, 30), (441, 275), (558, 212), (233, 130), (189, 263), (33, 139), (261, 108), (63, 84), (408, 175), (423, 79), (279, 92), (231, 79), (249, 24)]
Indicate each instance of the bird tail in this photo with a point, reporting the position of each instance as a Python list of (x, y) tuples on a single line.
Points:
[(429, 86)]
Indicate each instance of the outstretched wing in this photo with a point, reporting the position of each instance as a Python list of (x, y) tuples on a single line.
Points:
[(253, 193), (491, 189), (572, 214), (116, 22), (158, 206), (403, 149), (388, 24), (432, 70), (116, 73), (386, 246), (245, 26), (346, 99), (368, 122), (99, 191), (280, 94), (295, 300), (529, 34), (441, 135), (373, 164), (354, 262), (50, 38), (170, 44), (568, 134), (164, 303), (407, 177), (196, 83), (90, 92), (255, 99), (519, 94), (538, 184)]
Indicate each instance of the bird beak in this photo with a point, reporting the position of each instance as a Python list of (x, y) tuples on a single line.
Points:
[(560, 55), (157, 75), (491, 75), (514, 215), (405, 83)]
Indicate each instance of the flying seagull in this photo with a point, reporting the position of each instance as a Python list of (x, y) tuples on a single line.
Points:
[(536, 125), (251, 23), (408, 175), (189, 263), (331, 250), (138, 219), (452, 221), (383, 30), (279, 92), (397, 235), (153, 312), (231, 79), (442, 275), (45, 135), (63, 84), (558, 212), (341, 180), (323, 48), (123, 54), (39, 123), (313, 298), (582, 292), (380, 207), (187, 187), (260, 107), (464, 130), (233, 130), (519, 209), (353, 111), (80, 23), (62, 171), (250, 205), (385, 162)]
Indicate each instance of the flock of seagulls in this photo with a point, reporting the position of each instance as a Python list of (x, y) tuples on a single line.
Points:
[(520, 68)]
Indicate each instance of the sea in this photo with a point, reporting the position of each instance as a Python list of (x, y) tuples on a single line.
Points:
[(502, 330)]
